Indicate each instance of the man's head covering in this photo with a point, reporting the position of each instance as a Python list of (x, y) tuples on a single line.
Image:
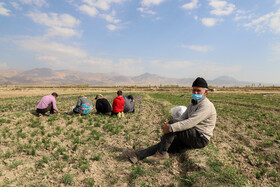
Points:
[(200, 82), (81, 96), (98, 96), (130, 97)]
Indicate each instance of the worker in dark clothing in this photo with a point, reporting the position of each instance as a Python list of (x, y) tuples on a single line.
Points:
[(102, 104)]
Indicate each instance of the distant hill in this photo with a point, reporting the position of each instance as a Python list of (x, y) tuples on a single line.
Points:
[(46, 76), (227, 81)]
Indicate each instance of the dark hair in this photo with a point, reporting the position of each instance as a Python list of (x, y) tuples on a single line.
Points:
[(54, 94), (119, 92)]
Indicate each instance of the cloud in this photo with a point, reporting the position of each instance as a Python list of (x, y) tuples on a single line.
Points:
[(130, 67), (54, 19), (4, 11), (16, 5), (112, 27), (61, 56), (221, 8), (92, 11), (56, 55), (4, 65), (102, 4), (100, 8), (191, 5), (185, 68), (216, 69), (210, 22), (242, 15), (38, 3), (145, 8), (148, 3), (63, 32), (270, 21), (49, 48), (146, 11), (170, 65), (60, 25), (110, 17), (198, 48)]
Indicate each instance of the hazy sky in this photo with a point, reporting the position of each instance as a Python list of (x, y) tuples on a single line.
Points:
[(172, 38)]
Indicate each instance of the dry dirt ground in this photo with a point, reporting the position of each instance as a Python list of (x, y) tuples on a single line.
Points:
[(76, 150)]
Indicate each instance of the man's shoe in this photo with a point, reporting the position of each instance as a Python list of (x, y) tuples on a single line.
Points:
[(50, 115), (130, 155), (158, 157), (122, 114)]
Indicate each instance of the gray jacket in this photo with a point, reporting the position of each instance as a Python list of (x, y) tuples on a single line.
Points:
[(128, 105), (81, 101), (201, 116)]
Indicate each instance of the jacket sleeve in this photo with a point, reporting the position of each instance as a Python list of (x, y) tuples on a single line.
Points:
[(54, 104), (201, 113)]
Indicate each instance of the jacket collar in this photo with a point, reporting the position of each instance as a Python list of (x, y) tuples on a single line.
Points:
[(195, 102)]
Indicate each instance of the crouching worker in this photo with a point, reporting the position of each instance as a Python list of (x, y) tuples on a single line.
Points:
[(193, 132), (47, 103), (102, 104), (83, 106), (118, 105), (129, 105)]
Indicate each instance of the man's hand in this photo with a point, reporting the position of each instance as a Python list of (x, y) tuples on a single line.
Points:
[(165, 128)]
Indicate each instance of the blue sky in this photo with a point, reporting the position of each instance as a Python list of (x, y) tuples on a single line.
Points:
[(172, 38)]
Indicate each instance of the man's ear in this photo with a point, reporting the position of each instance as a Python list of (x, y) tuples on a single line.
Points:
[(206, 92)]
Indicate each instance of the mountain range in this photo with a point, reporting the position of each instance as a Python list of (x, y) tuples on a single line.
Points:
[(46, 76)]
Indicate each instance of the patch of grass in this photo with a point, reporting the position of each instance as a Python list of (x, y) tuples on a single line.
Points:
[(188, 180), (40, 163), (95, 157), (89, 182), (8, 154), (83, 164), (15, 164), (225, 174), (240, 149), (136, 171), (67, 179)]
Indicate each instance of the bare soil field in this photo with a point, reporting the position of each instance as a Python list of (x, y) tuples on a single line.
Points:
[(73, 150)]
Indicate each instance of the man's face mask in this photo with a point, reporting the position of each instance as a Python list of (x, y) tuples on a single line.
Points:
[(196, 96)]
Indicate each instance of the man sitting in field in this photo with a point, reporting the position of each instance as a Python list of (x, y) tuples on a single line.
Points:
[(193, 132), (47, 103)]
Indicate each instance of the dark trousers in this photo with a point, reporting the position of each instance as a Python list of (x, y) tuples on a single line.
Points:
[(75, 111), (44, 110), (113, 113), (175, 142)]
